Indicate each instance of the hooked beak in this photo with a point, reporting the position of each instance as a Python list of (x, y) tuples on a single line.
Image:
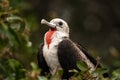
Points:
[(51, 25)]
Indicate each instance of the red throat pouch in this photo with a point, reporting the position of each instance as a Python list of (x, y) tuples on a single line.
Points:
[(48, 36)]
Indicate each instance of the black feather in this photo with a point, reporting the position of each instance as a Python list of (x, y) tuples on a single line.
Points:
[(41, 61), (67, 58)]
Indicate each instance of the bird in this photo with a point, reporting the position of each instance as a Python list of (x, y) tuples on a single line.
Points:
[(59, 52)]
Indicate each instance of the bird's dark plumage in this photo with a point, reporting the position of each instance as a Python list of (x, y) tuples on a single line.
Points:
[(67, 57), (41, 61)]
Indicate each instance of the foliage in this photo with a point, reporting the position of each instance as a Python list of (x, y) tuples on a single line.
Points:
[(14, 41), (15, 46)]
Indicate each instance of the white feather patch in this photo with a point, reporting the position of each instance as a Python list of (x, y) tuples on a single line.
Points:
[(50, 54)]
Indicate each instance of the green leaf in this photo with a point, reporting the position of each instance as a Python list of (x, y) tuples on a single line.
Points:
[(42, 78), (13, 64), (73, 70), (12, 18), (101, 71), (3, 68), (116, 73), (34, 66), (15, 39), (82, 66), (16, 23)]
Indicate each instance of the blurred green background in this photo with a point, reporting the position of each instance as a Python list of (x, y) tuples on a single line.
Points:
[(95, 24)]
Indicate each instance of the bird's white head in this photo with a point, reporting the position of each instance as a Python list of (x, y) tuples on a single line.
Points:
[(57, 24), (58, 29)]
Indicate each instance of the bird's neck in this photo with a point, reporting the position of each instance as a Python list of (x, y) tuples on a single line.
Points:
[(48, 36), (54, 36)]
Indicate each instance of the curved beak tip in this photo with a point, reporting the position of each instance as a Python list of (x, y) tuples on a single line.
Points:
[(43, 21)]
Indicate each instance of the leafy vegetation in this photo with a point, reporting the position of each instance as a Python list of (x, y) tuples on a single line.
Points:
[(17, 51)]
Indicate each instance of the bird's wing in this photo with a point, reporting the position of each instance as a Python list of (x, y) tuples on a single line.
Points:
[(41, 61), (68, 55)]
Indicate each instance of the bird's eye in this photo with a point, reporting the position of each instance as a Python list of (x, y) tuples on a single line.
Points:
[(60, 23)]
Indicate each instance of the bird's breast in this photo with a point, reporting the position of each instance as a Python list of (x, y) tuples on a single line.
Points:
[(51, 57)]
